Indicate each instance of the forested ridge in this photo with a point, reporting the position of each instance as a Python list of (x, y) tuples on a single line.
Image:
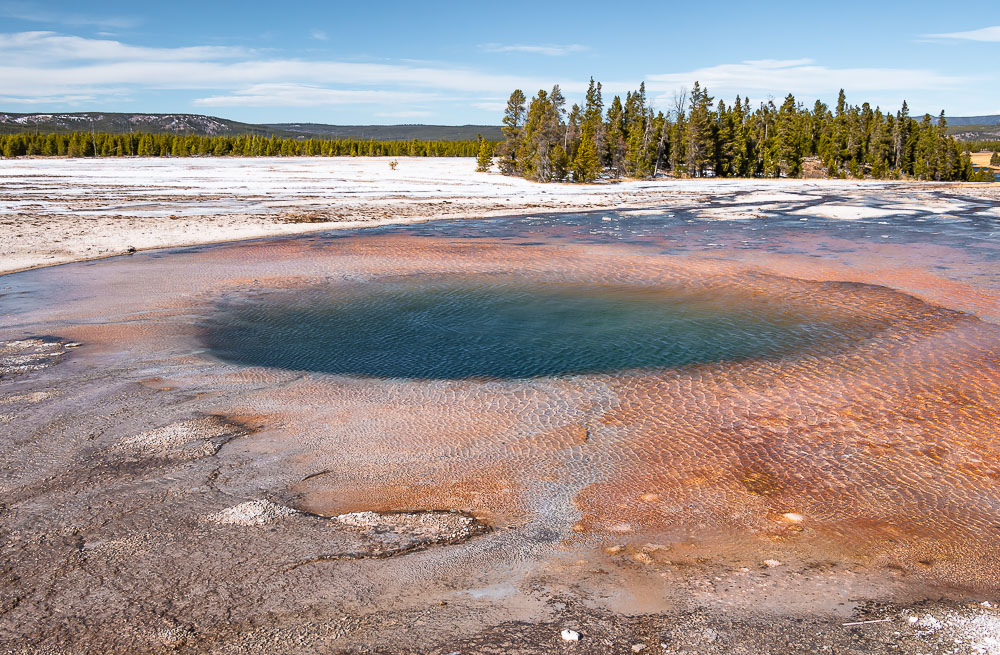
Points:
[(699, 137), (102, 144)]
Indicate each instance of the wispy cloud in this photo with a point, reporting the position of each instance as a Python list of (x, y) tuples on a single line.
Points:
[(46, 100), (987, 34), (45, 67), (802, 76), (47, 64), (41, 48), (319, 35), (29, 11), (490, 105), (414, 113), (301, 95), (544, 49)]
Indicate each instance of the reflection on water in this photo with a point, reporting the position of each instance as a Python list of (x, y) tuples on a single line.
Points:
[(434, 328)]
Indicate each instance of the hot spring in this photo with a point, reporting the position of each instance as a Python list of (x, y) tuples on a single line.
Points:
[(434, 328)]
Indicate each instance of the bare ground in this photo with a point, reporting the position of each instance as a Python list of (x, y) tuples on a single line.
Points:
[(125, 524)]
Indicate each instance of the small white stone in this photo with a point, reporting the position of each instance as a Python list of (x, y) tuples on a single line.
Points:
[(771, 563), (252, 512), (570, 635), (638, 648)]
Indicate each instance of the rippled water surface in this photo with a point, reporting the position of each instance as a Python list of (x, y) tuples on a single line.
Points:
[(435, 328)]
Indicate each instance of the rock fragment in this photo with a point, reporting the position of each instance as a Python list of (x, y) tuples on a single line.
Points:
[(570, 635), (252, 512)]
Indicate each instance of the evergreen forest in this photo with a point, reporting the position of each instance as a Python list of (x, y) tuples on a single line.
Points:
[(696, 137), (699, 137), (102, 144)]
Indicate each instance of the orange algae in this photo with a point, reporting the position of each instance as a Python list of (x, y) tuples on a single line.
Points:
[(885, 451)]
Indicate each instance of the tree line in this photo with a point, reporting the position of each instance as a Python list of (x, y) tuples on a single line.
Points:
[(103, 144), (988, 145), (699, 137)]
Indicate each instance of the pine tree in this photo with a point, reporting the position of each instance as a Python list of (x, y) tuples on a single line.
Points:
[(727, 141), (787, 140), (560, 163), (614, 157), (700, 137), (485, 157), (678, 144), (638, 130), (512, 121), (661, 130), (593, 116), (901, 137), (571, 136), (880, 145), (586, 165), (542, 131)]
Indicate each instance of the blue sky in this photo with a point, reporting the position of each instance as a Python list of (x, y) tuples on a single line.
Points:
[(456, 62)]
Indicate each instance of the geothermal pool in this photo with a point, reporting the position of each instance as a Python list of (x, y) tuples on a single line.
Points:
[(425, 327), (629, 400)]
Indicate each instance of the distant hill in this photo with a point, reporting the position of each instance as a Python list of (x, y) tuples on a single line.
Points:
[(975, 132), (965, 128), (974, 128), (983, 132), (973, 120), (392, 132), (120, 123)]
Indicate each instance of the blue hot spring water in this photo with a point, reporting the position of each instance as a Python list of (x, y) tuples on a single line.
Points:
[(421, 328)]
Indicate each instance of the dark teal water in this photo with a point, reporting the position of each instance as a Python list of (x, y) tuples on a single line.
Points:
[(436, 329)]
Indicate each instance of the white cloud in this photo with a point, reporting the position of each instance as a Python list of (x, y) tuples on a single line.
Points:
[(36, 64), (495, 106), (44, 67), (46, 100), (300, 95), (547, 49), (319, 35), (34, 48), (987, 34), (29, 11), (801, 77), (416, 113)]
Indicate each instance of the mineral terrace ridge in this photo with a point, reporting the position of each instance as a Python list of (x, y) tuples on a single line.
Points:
[(158, 497)]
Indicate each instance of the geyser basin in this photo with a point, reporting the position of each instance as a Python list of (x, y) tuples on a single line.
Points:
[(420, 328)]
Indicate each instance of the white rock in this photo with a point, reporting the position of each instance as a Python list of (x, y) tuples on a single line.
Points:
[(570, 635), (638, 648), (252, 512)]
